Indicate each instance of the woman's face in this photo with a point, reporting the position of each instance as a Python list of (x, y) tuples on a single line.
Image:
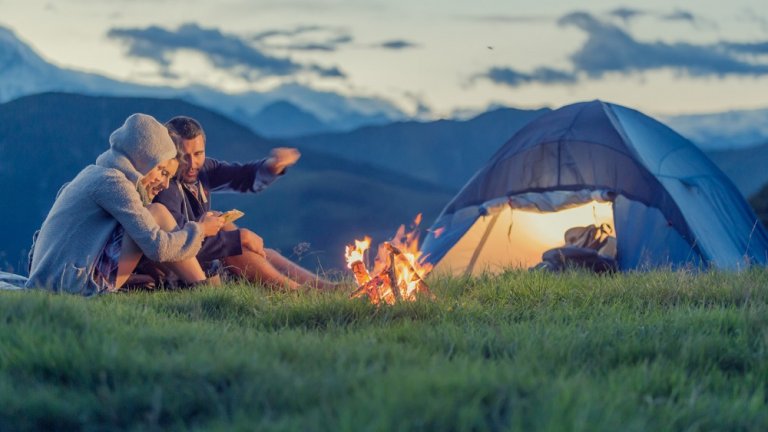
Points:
[(159, 177)]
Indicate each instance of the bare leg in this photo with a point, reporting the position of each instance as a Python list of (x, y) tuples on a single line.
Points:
[(272, 270), (296, 272), (188, 270), (256, 268)]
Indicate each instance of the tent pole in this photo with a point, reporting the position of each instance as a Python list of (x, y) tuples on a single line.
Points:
[(481, 245)]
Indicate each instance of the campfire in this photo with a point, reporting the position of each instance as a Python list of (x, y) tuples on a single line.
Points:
[(398, 269)]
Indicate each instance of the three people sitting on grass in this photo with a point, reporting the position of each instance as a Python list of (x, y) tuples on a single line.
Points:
[(102, 223)]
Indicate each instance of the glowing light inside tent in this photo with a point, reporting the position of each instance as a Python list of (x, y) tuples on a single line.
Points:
[(515, 238), (548, 229)]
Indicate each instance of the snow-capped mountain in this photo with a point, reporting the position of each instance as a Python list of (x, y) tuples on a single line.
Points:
[(24, 72)]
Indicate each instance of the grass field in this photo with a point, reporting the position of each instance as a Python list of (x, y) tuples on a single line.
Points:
[(521, 351)]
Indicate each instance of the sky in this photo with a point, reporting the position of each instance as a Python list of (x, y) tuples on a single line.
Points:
[(430, 58)]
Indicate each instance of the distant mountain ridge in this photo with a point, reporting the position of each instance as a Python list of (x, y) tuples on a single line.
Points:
[(324, 201), (446, 152), (283, 119), (23, 72), (746, 167), (728, 130)]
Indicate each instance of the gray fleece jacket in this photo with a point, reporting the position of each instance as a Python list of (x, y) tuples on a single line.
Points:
[(101, 197)]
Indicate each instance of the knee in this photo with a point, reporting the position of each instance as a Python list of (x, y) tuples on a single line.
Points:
[(162, 216), (246, 235)]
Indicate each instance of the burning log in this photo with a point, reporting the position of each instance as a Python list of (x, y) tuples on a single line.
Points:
[(420, 286), (396, 271), (361, 273), (355, 256), (392, 270), (371, 288)]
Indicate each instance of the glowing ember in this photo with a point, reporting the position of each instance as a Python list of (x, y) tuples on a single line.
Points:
[(399, 268)]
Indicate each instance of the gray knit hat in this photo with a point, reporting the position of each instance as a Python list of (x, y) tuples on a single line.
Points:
[(144, 141)]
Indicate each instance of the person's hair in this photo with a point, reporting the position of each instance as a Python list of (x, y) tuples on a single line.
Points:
[(176, 138), (187, 127)]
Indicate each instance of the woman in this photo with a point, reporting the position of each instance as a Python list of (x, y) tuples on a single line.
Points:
[(98, 227)]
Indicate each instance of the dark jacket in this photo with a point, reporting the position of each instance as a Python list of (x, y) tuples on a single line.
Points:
[(215, 176)]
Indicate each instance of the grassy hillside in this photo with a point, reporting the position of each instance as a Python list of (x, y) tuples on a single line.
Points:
[(522, 351)]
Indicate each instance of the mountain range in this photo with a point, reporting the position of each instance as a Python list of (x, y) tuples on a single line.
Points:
[(24, 72), (324, 201), (745, 166), (728, 130), (294, 110), (444, 152)]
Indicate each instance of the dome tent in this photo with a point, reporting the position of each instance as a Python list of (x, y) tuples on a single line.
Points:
[(593, 163)]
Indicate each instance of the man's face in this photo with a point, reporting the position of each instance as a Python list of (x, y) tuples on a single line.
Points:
[(194, 157)]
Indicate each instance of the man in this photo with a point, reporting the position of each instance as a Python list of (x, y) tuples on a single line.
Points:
[(240, 250)]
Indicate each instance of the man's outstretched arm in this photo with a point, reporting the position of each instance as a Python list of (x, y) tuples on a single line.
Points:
[(248, 177)]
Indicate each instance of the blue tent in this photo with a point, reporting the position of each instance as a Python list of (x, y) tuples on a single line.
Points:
[(592, 163)]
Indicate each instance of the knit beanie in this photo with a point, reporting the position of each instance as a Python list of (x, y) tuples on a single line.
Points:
[(144, 141)]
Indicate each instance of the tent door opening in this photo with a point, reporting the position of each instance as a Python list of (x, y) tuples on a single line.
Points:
[(516, 238)]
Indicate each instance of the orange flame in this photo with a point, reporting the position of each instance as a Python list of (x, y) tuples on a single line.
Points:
[(357, 252), (399, 267)]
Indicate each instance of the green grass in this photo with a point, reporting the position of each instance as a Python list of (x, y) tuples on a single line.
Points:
[(521, 351)]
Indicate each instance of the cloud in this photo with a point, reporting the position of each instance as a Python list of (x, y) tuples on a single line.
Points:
[(610, 49), (627, 14), (421, 107), (225, 51), (680, 15), (298, 30), (757, 48), (397, 44), (296, 39), (514, 78)]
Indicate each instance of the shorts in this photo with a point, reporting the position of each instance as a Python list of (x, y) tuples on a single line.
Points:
[(105, 270)]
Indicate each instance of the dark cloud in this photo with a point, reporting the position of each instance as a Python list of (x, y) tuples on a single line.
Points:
[(757, 48), (298, 30), (397, 44), (304, 38), (328, 45), (422, 108), (514, 78), (627, 14), (610, 49), (224, 51), (680, 15), (331, 72)]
